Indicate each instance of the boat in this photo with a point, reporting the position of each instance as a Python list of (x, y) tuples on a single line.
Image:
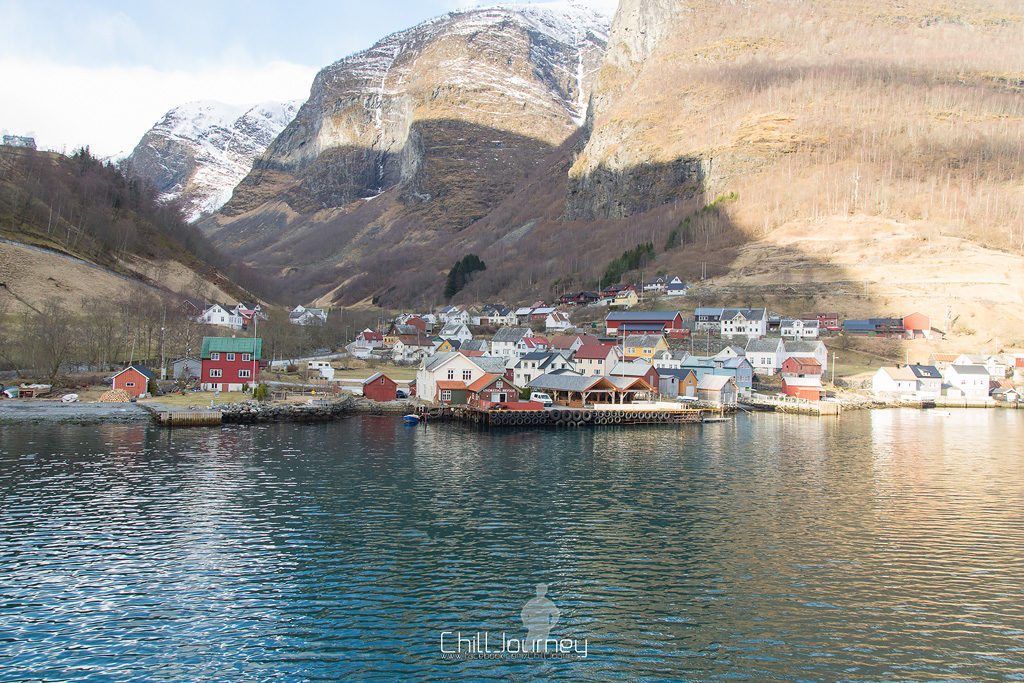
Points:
[(411, 419)]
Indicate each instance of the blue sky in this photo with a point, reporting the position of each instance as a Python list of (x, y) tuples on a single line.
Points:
[(102, 72)]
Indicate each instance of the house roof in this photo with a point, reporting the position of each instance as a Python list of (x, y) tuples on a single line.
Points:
[(644, 340), (488, 364), (642, 327), (451, 384), (593, 351), (510, 334), (763, 346), (803, 346), (634, 368), (485, 381), (374, 377), (704, 311), (747, 313), (629, 383), (804, 362), (564, 381), (969, 369), (944, 357), (642, 316), (439, 359), (680, 373), (900, 374), (926, 372), (714, 382), (141, 369), (474, 345), (232, 345)]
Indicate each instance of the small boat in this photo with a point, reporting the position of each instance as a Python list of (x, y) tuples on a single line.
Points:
[(411, 419)]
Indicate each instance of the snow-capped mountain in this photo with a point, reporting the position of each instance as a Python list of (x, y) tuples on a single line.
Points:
[(199, 152)]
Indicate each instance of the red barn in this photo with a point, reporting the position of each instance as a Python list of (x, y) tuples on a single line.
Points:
[(230, 363), (646, 322), (801, 367), (380, 387), (134, 379), (807, 388), (917, 325)]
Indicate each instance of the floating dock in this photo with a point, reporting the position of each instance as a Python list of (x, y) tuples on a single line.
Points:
[(611, 415)]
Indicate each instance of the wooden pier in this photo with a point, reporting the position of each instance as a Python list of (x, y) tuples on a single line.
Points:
[(189, 418), (618, 415)]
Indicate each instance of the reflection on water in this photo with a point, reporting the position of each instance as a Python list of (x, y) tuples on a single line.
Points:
[(886, 544)]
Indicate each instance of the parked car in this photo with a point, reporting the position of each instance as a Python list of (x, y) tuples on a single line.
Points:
[(542, 398), (401, 393)]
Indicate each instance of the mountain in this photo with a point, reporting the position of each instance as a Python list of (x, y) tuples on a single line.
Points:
[(198, 152), (76, 230), (404, 145)]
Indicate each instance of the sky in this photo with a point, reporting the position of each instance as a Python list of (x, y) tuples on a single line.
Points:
[(102, 72)]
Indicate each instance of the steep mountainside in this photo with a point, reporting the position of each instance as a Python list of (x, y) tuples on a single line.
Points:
[(402, 146), (74, 228), (200, 151), (721, 130)]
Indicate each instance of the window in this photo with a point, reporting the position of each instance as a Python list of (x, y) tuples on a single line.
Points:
[(467, 375), (129, 384), (246, 356), (214, 356), (216, 373), (231, 356), (451, 374), (382, 380), (446, 394), (244, 374)]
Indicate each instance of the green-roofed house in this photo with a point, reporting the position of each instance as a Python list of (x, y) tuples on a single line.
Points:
[(230, 363)]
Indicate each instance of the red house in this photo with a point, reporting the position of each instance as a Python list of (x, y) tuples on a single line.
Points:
[(917, 325), (801, 367), (417, 322), (380, 387), (827, 321), (134, 379), (230, 363), (807, 388)]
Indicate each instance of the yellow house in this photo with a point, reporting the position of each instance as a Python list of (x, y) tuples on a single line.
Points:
[(627, 298), (445, 347), (644, 346)]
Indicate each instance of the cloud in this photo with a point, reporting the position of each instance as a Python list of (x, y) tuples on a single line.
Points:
[(110, 108)]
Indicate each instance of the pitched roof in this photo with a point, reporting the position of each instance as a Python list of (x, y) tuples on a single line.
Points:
[(926, 371), (374, 377), (439, 359), (633, 368), (763, 345), (680, 373), (803, 346), (748, 313), (484, 381), (714, 382), (231, 345), (450, 384), (488, 364), (510, 334), (642, 316), (141, 369), (628, 383), (564, 381), (969, 369), (804, 362), (705, 311), (644, 340), (900, 374), (474, 345), (593, 351)]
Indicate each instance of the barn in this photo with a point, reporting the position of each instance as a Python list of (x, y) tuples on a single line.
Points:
[(380, 387), (134, 380), (807, 388)]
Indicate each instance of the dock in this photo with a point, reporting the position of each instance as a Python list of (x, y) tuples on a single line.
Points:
[(189, 418), (600, 415)]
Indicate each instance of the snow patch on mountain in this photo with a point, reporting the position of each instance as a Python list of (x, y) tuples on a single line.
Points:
[(199, 151)]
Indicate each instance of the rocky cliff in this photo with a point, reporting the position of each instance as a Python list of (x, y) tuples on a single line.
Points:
[(198, 152)]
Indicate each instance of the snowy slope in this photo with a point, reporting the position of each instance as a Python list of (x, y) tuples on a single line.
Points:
[(199, 152)]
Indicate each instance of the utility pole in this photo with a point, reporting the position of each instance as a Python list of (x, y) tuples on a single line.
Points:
[(833, 368)]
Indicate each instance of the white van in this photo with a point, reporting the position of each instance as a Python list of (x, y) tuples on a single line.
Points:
[(542, 398)]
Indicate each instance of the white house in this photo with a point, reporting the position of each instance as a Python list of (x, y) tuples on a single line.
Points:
[(969, 381), (533, 365), (751, 323), (996, 366), (454, 372), (505, 340), (301, 315), (669, 359), (222, 315), (800, 329), (894, 382), (595, 359), (556, 320), (658, 284), (455, 331), (765, 355), (411, 348), (677, 287)]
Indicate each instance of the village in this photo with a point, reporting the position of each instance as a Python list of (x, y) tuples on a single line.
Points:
[(626, 345)]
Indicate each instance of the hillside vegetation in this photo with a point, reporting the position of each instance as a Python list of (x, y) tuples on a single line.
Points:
[(78, 227)]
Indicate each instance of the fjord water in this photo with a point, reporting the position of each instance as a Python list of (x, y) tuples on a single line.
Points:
[(883, 545)]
